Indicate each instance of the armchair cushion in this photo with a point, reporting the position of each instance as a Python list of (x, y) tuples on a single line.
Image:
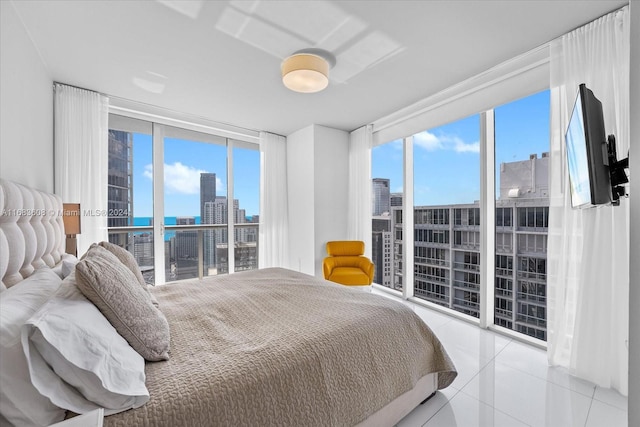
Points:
[(346, 265), (345, 248)]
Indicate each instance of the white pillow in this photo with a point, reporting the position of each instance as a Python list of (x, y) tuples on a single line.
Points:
[(20, 402), (78, 359), (66, 265)]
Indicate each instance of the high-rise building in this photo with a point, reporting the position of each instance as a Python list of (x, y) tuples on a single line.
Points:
[(120, 186), (381, 250), (380, 202), (207, 199), (207, 192)]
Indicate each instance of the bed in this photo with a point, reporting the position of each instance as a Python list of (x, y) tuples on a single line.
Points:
[(263, 347)]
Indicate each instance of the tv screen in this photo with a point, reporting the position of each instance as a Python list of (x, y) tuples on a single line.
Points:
[(586, 144)]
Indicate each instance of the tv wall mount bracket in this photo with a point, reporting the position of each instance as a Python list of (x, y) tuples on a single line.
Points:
[(616, 171)]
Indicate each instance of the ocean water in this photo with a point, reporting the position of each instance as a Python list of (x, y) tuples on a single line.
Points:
[(140, 221)]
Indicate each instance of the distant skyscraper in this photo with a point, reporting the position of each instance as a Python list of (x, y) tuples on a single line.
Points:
[(380, 202), (207, 192), (207, 199), (120, 185)]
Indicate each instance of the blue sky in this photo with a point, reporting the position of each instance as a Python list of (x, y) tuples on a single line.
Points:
[(183, 163), (446, 161), (447, 158)]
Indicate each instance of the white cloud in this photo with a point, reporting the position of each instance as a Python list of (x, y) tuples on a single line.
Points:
[(178, 178), (148, 171), (428, 141), (462, 147), (432, 142), (220, 187)]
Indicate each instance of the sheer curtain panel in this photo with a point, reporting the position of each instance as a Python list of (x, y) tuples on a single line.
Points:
[(274, 218), (359, 203), (81, 157), (588, 250)]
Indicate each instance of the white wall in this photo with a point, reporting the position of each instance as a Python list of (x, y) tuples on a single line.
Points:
[(634, 199), (317, 170), (26, 107), (300, 178), (331, 156)]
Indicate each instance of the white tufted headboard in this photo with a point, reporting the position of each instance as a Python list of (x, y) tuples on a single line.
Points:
[(31, 231)]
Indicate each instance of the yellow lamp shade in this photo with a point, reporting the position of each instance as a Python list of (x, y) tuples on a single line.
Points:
[(71, 218), (306, 73)]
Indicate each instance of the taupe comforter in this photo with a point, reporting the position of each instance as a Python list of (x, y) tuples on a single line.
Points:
[(277, 347)]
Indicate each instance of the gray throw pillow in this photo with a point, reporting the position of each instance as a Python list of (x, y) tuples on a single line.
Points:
[(114, 289), (128, 260)]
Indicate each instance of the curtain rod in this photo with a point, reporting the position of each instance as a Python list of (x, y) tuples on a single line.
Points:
[(379, 124), (170, 114), (77, 87)]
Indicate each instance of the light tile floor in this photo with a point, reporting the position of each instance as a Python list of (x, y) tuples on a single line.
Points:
[(503, 382)]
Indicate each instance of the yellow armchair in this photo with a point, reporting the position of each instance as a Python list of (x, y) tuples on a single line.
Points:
[(345, 263)]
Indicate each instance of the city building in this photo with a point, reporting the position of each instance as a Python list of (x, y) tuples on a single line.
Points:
[(246, 256), (120, 185), (143, 253), (381, 250), (207, 198), (447, 250), (186, 242), (380, 196), (395, 199), (207, 192)]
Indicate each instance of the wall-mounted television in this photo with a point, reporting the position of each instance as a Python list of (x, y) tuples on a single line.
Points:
[(595, 174)]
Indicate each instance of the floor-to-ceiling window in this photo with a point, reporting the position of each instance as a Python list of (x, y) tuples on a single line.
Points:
[(246, 187), (130, 192), (446, 192), (522, 214), (387, 212), (177, 183), (450, 250)]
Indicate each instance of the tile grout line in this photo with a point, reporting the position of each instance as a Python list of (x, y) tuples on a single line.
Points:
[(435, 413)]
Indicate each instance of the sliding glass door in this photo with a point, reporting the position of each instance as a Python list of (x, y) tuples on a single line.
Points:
[(130, 191), (177, 184), (446, 191), (387, 212), (195, 193)]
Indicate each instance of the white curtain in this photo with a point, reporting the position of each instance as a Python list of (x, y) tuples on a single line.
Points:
[(588, 250), (81, 158), (274, 202), (359, 191)]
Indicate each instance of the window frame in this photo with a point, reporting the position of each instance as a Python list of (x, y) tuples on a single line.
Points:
[(161, 124), (517, 78)]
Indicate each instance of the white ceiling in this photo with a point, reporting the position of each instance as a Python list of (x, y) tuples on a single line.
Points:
[(221, 59)]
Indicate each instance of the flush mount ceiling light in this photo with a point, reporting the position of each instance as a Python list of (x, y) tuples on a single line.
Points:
[(307, 71)]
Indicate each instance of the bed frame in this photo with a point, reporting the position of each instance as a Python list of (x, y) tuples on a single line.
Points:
[(31, 231)]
